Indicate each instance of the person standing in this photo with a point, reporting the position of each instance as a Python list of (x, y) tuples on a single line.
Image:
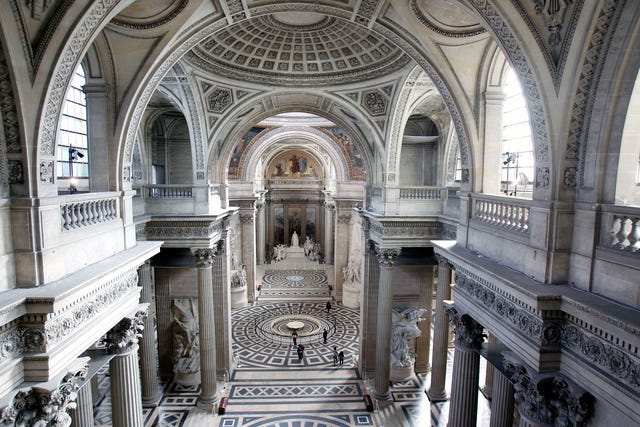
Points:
[(341, 357), (300, 352), (335, 355), (328, 306), (294, 337), (324, 335)]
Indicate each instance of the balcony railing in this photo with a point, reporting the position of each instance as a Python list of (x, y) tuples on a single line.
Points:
[(623, 227), (421, 193), (169, 191), (502, 212), (83, 213)]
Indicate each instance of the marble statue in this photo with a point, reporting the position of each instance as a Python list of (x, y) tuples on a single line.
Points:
[(186, 345), (404, 328), (352, 271), (294, 240), (308, 246), (239, 277), (279, 252)]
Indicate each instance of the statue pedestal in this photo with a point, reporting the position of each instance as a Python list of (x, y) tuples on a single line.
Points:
[(351, 295), (239, 297), (294, 252), (400, 373), (183, 378)]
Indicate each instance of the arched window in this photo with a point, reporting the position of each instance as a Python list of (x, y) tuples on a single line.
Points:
[(517, 160), (628, 178), (73, 158)]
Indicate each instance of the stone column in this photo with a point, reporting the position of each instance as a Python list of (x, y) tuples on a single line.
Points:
[(248, 242), (463, 408), (387, 258), (369, 298), (82, 415), (209, 390), (222, 306), (423, 342), (148, 352), (126, 396), (502, 404), (487, 388), (260, 235), (162, 279), (437, 392), (341, 247), (328, 233)]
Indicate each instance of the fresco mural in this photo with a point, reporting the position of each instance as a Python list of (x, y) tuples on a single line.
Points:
[(294, 164), (351, 150), (240, 148)]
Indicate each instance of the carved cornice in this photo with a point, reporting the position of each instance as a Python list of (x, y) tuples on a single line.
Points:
[(148, 25), (548, 399), (159, 230), (123, 337), (413, 229), (468, 332)]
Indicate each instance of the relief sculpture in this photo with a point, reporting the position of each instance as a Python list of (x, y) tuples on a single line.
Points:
[(186, 345)]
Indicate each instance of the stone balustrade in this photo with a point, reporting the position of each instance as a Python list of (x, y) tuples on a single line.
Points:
[(503, 212), (77, 214), (622, 225), (421, 193), (169, 191)]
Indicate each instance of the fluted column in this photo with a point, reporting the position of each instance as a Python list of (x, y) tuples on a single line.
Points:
[(82, 415), (369, 298), (463, 408), (126, 398), (437, 391), (328, 233), (209, 388), (487, 388), (148, 352), (423, 342), (222, 306), (260, 235), (248, 249), (387, 258), (502, 402)]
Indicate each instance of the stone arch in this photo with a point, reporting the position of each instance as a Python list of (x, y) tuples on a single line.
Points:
[(405, 42), (513, 47)]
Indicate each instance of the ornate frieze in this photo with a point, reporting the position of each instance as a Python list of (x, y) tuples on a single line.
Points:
[(65, 321), (549, 400), (414, 229), (123, 337), (182, 229), (468, 332)]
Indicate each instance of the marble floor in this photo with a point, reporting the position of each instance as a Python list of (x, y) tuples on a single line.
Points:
[(272, 387)]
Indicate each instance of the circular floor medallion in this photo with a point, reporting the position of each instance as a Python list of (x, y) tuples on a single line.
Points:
[(295, 278)]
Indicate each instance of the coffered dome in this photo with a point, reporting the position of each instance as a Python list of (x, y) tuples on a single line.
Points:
[(296, 48)]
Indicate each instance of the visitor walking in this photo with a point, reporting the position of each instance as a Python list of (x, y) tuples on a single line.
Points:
[(328, 306), (294, 337), (335, 355), (300, 352), (324, 335), (341, 357)]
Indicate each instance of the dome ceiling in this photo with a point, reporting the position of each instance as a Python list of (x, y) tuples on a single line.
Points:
[(317, 49)]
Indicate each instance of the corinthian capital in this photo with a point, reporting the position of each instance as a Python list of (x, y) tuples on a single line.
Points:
[(468, 332), (124, 336), (204, 256), (387, 257)]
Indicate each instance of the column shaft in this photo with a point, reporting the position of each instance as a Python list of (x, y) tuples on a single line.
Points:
[(463, 410), (148, 353), (207, 337), (82, 415), (502, 403), (387, 258), (369, 313), (260, 241), (437, 392), (222, 308), (126, 403), (328, 234), (487, 389), (423, 342)]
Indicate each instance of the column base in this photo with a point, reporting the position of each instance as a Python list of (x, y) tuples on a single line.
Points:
[(437, 396), (151, 401), (207, 403), (385, 396), (422, 369)]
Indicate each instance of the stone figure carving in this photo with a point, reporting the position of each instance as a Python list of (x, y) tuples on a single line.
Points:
[(186, 345), (308, 246), (279, 252), (239, 277), (352, 271), (404, 327), (294, 240)]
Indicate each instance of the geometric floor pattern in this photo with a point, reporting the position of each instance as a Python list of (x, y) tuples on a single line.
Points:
[(271, 388)]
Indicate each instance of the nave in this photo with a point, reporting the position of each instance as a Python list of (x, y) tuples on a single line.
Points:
[(271, 387)]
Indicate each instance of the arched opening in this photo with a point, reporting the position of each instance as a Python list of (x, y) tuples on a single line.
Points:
[(628, 178)]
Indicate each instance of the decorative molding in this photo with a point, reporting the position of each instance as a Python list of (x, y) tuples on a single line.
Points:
[(148, 25), (438, 30), (543, 177), (16, 173), (123, 337), (344, 219), (8, 113), (158, 230), (415, 229), (219, 100), (570, 178), (374, 102)]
